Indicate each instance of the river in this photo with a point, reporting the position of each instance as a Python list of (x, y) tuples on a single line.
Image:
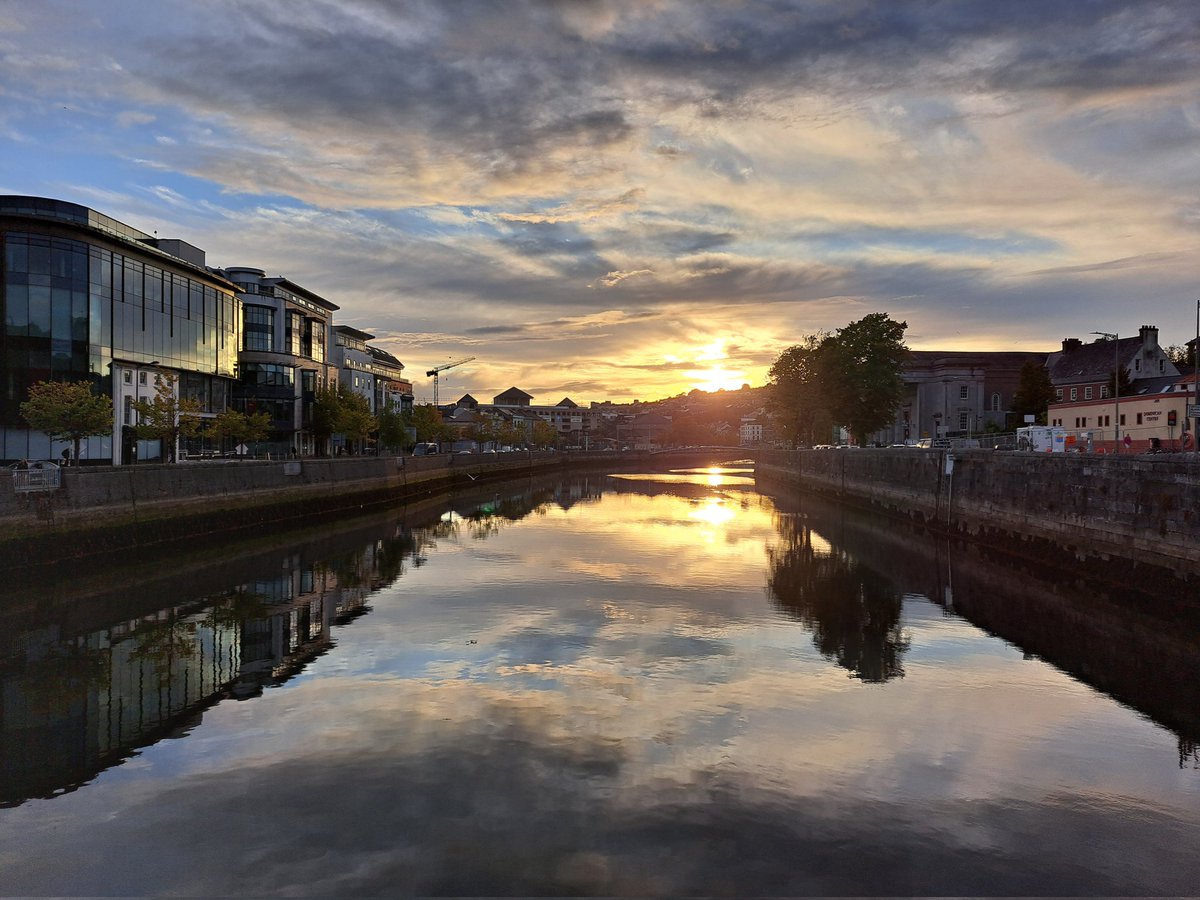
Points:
[(654, 684)]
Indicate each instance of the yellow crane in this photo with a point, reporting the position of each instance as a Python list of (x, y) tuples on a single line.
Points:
[(438, 370)]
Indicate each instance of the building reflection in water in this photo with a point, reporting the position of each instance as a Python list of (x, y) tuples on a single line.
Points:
[(75, 705), (77, 699)]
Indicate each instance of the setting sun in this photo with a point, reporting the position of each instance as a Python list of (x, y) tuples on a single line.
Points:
[(716, 379)]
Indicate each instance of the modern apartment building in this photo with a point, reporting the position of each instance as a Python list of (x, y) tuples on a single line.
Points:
[(285, 356), (371, 372)]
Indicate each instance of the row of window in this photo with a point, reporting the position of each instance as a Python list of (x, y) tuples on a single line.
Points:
[(302, 337), (70, 308), (1087, 393)]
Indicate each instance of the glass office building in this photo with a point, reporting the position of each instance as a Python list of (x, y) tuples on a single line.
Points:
[(85, 297), (285, 357)]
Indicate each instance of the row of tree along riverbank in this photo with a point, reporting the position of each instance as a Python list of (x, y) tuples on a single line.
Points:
[(133, 509), (1123, 514)]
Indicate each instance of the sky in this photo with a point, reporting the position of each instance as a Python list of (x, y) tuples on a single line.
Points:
[(620, 199)]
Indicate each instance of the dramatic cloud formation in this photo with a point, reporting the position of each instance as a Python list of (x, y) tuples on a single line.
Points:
[(575, 192)]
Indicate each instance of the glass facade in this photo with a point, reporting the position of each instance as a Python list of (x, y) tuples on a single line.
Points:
[(71, 307), (259, 328)]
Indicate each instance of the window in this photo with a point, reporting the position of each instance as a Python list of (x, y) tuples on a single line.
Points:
[(1139, 418), (295, 333), (318, 340), (1087, 393), (964, 421), (1137, 365), (268, 375), (1162, 366), (259, 328), (1074, 393), (141, 377), (1104, 392), (128, 376), (996, 402), (1058, 394), (1122, 420), (964, 391)]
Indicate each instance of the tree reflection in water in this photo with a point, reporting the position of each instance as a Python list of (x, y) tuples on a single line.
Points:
[(853, 612)]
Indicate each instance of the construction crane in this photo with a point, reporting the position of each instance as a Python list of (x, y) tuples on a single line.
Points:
[(438, 370)]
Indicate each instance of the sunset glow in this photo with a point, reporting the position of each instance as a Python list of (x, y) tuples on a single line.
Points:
[(626, 200)]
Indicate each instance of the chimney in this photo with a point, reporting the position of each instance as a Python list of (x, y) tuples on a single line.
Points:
[(1149, 336), (1070, 344)]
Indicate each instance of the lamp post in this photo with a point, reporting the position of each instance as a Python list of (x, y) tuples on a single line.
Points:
[(1116, 387)]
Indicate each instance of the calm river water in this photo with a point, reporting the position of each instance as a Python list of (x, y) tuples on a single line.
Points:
[(608, 685)]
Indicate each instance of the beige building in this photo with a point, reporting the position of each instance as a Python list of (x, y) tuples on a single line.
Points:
[(1152, 416)]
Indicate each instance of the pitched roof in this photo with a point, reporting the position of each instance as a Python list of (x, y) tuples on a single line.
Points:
[(384, 356), (1091, 362), (513, 393), (1166, 384), (567, 401)]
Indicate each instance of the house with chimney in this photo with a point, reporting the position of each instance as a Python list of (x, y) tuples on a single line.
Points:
[(1150, 413)]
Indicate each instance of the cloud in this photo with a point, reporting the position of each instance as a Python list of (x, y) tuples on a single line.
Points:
[(762, 167)]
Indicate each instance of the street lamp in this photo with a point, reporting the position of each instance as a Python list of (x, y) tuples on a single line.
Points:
[(1116, 387)]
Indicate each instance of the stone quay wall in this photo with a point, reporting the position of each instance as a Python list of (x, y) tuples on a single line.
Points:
[(1057, 507), (135, 509), (102, 509)]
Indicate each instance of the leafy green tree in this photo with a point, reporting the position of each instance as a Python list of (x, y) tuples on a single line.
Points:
[(326, 412), (861, 366), (429, 425), (236, 427), (543, 435), (796, 392), (68, 410), (339, 410), (1035, 393), (508, 434), (166, 416), (356, 421), (393, 429)]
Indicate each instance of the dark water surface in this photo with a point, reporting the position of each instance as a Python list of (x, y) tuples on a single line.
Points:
[(646, 685)]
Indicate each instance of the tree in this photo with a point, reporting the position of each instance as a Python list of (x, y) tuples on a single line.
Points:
[(1035, 393), (166, 416), (356, 421), (236, 427), (429, 425), (325, 412), (796, 393), (339, 410), (1126, 384), (68, 410), (543, 435), (860, 369), (1181, 356), (393, 429)]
